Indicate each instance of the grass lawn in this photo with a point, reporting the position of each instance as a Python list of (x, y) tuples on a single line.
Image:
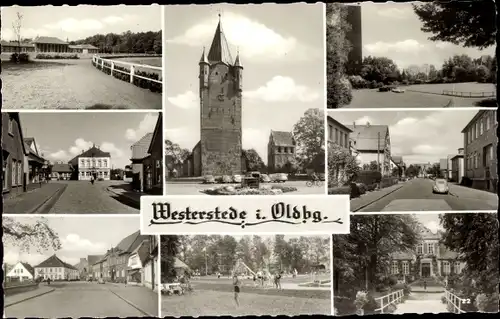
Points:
[(214, 303), (428, 95), (145, 60)]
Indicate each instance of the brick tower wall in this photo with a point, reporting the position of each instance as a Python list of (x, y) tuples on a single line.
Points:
[(221, 123)]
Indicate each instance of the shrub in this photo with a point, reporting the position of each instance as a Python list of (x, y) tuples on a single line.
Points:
[(19, 57), (358, 82), (230, 190), (355, 192), (487, 303), (373, 84), (405, 82), (388, 181), (371, 188), (443, 300), (344, 190), (371, 305), (43, 56), (368, 177), (362, 188), (340, 93), (344, 306), (466, 181)]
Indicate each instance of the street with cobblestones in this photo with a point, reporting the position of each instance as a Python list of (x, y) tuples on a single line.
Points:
[(85, 299), (74, 197)]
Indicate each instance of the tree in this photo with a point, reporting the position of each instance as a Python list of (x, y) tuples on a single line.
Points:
[(253, 160), (483, 74), (342, 166), (412, 171), (169, 245), (475, 238), (309, 134), (38, 235), (434, 170), (467, 23), (379, 69), (291, 166), (373, 166), (16, 25), (338, 47)]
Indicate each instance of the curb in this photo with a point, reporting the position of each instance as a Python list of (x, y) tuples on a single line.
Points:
[(25, 299), (132, 304), (47, 204), (373, 201), (129, 201)]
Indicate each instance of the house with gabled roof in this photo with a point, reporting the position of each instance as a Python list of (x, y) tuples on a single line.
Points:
[(36, 162), (139, 153), (92, 162), (142, 263), (56, 269), (281, 149), (61, 171), (429, 259), (373, 144), (21, 272), (14, 152)]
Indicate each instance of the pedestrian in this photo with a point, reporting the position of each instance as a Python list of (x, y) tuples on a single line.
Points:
[(236, 284), (425, 285), (254, 280), (278, 280), (92, 179), (48, 281)]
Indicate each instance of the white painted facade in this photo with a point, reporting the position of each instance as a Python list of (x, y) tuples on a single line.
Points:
[(19, 272), (57, 273), (99, 166)]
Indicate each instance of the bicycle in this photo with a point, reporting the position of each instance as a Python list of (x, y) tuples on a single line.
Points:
[(314, 183)]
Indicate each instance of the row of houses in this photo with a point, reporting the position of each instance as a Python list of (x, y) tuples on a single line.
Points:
[(133, 261), (477, 159), (23, 163), (47, 45)]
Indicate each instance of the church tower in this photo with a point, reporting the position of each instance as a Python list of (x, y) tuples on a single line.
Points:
[(220, 109)]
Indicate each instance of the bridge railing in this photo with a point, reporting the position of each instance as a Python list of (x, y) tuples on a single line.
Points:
[(455, 301), (390, 299), (469, 94), (132, 68)]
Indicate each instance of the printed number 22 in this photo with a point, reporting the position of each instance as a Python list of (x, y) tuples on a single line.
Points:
[(466, 301)]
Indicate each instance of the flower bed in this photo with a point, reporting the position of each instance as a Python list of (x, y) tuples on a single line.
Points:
[(238, 190), (57, 57)]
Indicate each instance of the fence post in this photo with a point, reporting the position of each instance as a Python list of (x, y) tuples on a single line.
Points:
[(382, 305), (459, 306), (132, 74), (112, 68), (102, 65)]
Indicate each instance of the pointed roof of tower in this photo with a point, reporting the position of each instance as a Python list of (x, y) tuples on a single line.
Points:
[(237, 61), (219, 50), (203, 58)]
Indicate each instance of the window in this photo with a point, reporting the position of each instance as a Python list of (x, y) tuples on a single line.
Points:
[(420, 249), (430, 248), (99, 163), (406, 268), (446, 267), (14, 174), (469, 136), (11, 126), (330, 133), (19, 174), (477, 129), (341, 138), (457, 269), (488, 121), (336, 136), (481, 126), (346, 141), (492, 154), (395, 268), (105, 163), (4, 173)]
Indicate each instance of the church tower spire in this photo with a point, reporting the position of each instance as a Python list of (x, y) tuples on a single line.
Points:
[(219, 50)]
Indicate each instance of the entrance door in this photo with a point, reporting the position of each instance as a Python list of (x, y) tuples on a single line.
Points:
[(426, 270)]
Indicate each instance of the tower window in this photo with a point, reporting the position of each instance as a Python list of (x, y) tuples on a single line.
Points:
[(216, 73)]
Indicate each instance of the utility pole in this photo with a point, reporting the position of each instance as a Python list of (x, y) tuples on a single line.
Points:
[(378, 152)]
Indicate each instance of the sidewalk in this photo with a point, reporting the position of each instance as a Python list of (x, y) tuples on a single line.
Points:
[(420, 307), (20, 297), (370, 197), (127, 196), (140, 297), (491, 199), (30, 201)]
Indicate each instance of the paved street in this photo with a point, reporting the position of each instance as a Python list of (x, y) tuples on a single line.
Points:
[(85, 299), (416, 195), (193, 188)]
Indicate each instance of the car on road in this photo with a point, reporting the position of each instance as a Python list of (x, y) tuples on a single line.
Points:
[(264, 178), (321, 177), (440, 186), (398, 90), (100, 281), (385, 89), (236, 178), (280, 178), (208, 179), (226, 179)]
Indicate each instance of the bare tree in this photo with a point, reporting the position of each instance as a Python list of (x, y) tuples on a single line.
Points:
[(16, 25)]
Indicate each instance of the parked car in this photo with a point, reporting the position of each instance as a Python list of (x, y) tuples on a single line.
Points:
[(226, 179), (321, 177), (264, 178), (398, 90), (280, 178), (236, 178), (208, 179), (440, 186), (384, 89), (100, 281), (89, 279)]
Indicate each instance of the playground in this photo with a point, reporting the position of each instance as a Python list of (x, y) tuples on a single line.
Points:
[(300, 294)]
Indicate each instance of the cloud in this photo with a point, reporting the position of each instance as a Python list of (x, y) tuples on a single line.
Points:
[(82, 145), (26, 33), (186, 137), (186, 100), (74, 243), (147, 125), (434, 226), (405, 46), (254, 39), (394, 13), (365, 119), (283, 89), (257, 139), (426, 149)]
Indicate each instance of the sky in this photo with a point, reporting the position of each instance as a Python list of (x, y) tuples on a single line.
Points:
[(79, 236), (431, 221), (393, 30), (419, 136), (283, 66), (78, 22), (62, 136)]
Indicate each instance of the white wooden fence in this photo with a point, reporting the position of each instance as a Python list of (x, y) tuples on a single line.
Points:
[(392, 298), (96, 60), (454, 300), (469, 94)]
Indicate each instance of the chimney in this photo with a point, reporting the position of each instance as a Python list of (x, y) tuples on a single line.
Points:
[(461, 151), (354, 124)]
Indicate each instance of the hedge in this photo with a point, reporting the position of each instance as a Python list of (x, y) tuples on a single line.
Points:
[(57, 57), (368, 177), (19, 57)]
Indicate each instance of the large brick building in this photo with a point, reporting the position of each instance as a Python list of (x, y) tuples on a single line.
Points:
[(13, 152), (280, 151), (219, 151), (480, 150)]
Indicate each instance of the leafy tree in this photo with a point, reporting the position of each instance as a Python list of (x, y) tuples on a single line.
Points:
[(338, 47), (342, 166), (482, 73), (434, 170), (169, 245), (309, 133), (254, 161), (127, 42), (412, 171), (373, 166), (467, 23), (379, 69), (27, 236), (475, 238)]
